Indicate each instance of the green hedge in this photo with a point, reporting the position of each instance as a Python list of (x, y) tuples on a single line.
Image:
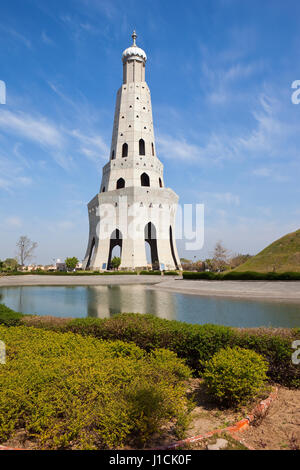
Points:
[(65, 273), (243, 276), (194, 343), (70, 392), (171, 273), (155, 273)]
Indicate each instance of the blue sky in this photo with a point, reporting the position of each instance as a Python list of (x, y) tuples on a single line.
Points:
[(220, 74)]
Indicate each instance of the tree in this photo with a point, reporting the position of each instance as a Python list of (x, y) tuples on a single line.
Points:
[(71, 263), (220, 257), (239, 259), (26, 248), (115, 262), (1, 265), (185, 261), (10, 264)]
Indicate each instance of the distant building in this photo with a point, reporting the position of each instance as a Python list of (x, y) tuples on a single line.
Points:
[(60, 266)]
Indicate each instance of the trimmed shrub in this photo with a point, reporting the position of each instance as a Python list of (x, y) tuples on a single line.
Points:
[(65, 273), (234, 376), (155, 273), (9, 317), (70, 392), (171, 273), (206, 275), (242, 276), (195, 343)]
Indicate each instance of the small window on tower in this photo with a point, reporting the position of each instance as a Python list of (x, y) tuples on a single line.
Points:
[(160, 183), (113, 155), (152, 149), (125, 150), (145, 180), (120, 183), (142, 147)]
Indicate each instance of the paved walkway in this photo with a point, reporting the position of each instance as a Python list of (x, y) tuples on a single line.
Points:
[(269, 290)]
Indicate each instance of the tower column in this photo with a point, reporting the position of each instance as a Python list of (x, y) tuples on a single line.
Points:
[(133, 200)]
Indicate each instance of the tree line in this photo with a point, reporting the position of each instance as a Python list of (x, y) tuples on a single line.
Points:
[(221, 260)]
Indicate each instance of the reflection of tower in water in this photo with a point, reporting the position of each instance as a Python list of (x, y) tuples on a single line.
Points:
[(105, 301)]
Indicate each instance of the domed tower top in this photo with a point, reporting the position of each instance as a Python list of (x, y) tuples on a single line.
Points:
[(134, 59)]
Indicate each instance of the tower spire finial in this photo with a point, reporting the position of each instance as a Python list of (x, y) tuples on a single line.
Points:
[(134, 36)]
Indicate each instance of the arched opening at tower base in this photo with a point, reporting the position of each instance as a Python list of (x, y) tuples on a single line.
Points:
[(115, 240), (91, 253), (172, 248), (150, 238)]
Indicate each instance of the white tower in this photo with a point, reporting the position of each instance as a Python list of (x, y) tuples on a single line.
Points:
[(133, 207)]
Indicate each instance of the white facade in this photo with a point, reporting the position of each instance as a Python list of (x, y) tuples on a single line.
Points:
[(132, 195)]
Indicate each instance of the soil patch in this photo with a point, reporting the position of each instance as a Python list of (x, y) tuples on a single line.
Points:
[(280, 428)]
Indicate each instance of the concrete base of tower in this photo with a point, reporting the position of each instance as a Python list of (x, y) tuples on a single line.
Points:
[(133, 219)]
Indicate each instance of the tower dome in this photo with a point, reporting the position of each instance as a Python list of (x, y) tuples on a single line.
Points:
[(134, 50)]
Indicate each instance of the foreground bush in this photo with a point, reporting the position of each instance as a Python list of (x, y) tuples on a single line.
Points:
[(68, 391), (9, 317), (235, 376), (194, 343)]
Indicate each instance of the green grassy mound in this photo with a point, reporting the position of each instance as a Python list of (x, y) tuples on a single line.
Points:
[(281, 256), (73, 392)]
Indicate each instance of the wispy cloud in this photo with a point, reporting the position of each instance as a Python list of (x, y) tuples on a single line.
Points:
[(16, 35), (13, 174), (37, 129), (93, 146), (60, 141), (46, 39), (269, 138), (14, 222)]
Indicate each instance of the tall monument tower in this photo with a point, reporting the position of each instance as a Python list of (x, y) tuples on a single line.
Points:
[(133, 207)]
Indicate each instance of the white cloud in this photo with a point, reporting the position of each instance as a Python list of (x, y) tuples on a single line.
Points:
[(60, 142), (46, 39), (227, 198), (13, 222), (13, 174), (272, 137), (37, 129), (262, 172), (92, 146), (16, 35), (212, 152)]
